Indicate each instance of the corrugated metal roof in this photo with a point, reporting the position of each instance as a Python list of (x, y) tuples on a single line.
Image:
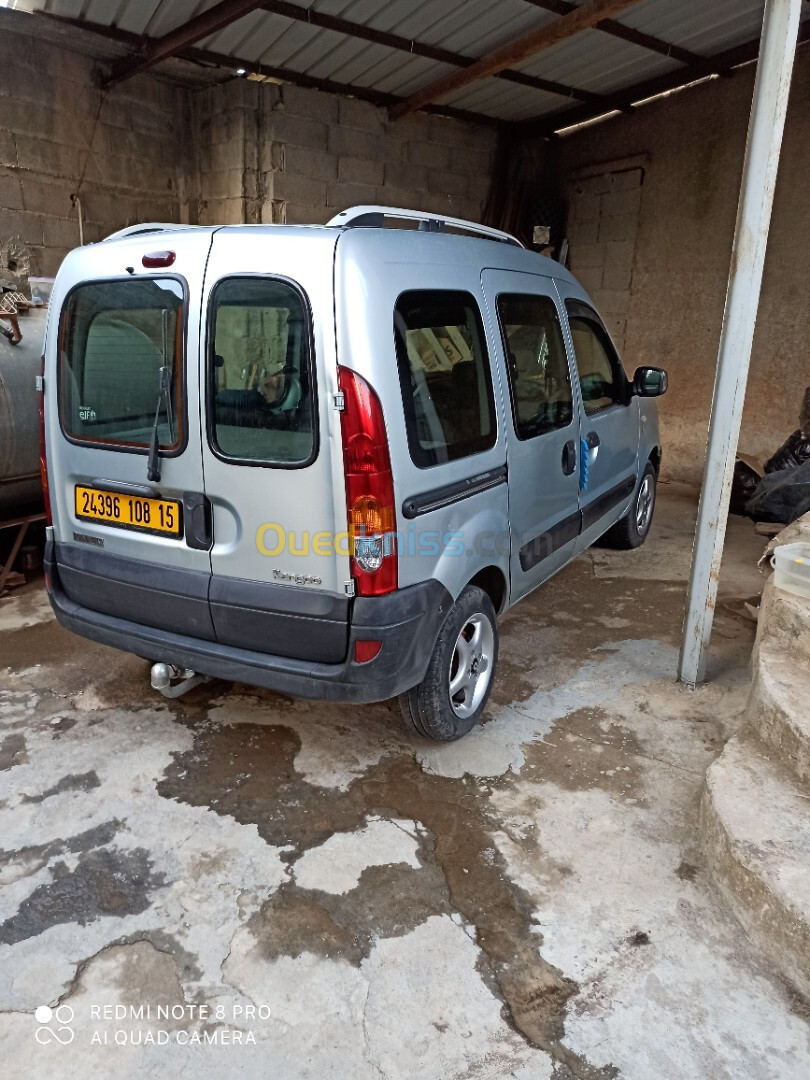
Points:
[(591, 61)]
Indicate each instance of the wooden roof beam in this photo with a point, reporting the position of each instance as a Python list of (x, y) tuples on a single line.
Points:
[(339, 25), (719, 64), (626, 33), (514, 52), (156, 49)]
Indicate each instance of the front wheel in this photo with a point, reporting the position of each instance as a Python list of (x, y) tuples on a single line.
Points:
[(450, 699), (631, 530)]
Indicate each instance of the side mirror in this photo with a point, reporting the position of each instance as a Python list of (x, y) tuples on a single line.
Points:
[(649, 382)]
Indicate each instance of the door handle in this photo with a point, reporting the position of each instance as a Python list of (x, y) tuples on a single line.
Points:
[(569, 458), (198, 521)]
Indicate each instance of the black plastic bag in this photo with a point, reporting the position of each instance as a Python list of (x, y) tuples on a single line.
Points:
[(743, 485), (781, 496), (795, 450)]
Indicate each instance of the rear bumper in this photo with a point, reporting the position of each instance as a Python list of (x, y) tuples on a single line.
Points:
[(407, 623)]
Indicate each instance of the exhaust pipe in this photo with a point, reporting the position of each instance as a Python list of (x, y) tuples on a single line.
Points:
[(172, 681)]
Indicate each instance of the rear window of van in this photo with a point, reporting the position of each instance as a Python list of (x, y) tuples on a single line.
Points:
[(120, 342), (444, 375)]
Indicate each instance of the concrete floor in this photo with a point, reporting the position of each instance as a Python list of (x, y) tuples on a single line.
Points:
[(309, 891)]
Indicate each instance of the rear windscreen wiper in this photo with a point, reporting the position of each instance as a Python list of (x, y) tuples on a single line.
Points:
[(165, 400)]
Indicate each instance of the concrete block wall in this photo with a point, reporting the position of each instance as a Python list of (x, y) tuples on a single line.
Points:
[(305, 155), (235, 151), (122, 151), (602, 233), (689, 147)]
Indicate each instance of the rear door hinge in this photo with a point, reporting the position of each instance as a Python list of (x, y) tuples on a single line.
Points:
[(350, 587), (340, 401), (39, 383)]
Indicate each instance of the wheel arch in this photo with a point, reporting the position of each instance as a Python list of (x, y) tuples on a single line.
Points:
[(493, 581)]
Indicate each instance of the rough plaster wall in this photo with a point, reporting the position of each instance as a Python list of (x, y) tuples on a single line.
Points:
[(281, 153), (58, 135), (694, 143)]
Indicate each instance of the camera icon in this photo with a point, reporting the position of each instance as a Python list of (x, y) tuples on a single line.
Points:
[(54, 1024)]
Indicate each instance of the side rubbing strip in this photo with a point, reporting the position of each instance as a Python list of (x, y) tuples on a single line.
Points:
[(452, 493), (605, 503), (550, 541)]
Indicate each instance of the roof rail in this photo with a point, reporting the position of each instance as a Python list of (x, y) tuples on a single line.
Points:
[(146, 227), (373, 217)]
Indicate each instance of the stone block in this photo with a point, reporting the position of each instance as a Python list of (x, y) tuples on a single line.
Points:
[(362, 115), (610, 302), (46, 157), (592, 185), (342, 196), (406, 176), (457, 133), (59, 232), (621, 202), (215, 184), (299, 189), (583, 232), (586, 207), (52, 259), (304, 161), (432, 155), (403, 198), (222, 212), (441, 182), (618, 266), (350, 142), (27, 227), (301, 214), (10, 192), (287, 128), (8, 148), (583, 255), (590, 277), (360, 171), (626, 179), (44, 197), (313, 104), (618, 227)]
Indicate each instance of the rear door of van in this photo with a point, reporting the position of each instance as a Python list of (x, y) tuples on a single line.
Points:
[(122, 368), (272, 455)]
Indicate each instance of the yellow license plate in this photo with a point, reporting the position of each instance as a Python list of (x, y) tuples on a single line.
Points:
[(161, 516)]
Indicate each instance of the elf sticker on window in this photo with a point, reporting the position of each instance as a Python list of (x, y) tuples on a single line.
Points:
[(87, 414)]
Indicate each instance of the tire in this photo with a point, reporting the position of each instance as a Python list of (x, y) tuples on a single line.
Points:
[(631, 531), (429, 708)]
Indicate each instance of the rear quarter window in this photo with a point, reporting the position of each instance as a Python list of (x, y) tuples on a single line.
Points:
[(444, 375), (114, 339), (261, 386)]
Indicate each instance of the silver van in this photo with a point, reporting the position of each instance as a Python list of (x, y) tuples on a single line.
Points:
[(324, 459)]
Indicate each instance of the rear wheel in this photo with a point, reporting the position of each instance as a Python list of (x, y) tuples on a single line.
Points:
[(450, 699), (631, 530)]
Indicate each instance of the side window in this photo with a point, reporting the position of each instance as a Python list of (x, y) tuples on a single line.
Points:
[(444, 375), (539, 380), (261, 392), (601, 376)]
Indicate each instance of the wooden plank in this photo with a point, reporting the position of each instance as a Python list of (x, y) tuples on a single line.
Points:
[(514, 52)]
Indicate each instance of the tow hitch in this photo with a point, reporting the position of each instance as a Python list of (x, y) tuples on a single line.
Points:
[(172, 681)]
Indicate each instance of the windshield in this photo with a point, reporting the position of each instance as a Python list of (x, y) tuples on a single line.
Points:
[(115, 337)]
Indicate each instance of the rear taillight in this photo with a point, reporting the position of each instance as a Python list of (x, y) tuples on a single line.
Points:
[(369, 487), (43, 457)]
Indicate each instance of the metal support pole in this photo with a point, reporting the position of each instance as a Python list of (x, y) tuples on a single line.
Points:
[(777, 50)]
